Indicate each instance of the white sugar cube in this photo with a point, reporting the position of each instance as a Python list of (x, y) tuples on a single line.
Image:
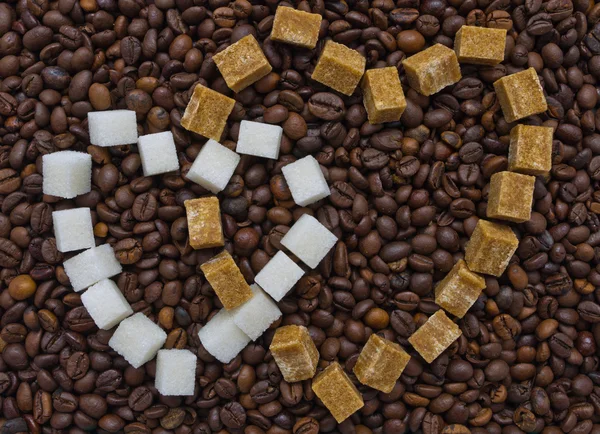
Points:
[(91, 266), (67, 174), (222, 338), (279, 276), (158, 153), (106, 304), (259, 139), (213, 167), (112, 128), (175, 372), (306, 181), (73, 229), (309, 240), (137, 339), (257, 314)]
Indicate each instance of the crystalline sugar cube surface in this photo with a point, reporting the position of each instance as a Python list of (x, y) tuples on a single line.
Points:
[(175, 372), (309, 240), (158, 153), (261, 140), (91, 266), (279, 276), (257, 314), (67, 174), (306, 181), (137, 339), (222, 338), (213, 167), (106, 304), (112, 128), (73, 229)]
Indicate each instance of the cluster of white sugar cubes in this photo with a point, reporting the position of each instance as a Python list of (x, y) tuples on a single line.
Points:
[(261, 140), (92, 266), (112, 128), (213, 167), (309, 240), (158, 153), (73, 229), (279, 276), (222, 338), (257, 314), (67, 174), (175, 372), (305, 180), (106, 304), (137, 339)]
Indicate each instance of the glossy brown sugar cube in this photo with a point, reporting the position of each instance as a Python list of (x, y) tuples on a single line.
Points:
[(242, 63), (530, 150), (380, 363), (295, 353), (207, 112), (510, 197), (520, 95), (433, 69), (437, 334), (480, 45), (296, 27), (459, 290), (226, 280), (336, 391), (382, 95), (339, 68), (490, 248), (204, 222)]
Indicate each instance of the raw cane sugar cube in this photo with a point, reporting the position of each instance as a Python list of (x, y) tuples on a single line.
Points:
[(213, 167), (257, 314), (222, 338), (309, 240), (433, 337), (137, 339), (295, 353), (380, 363), (510, 197), (73, 229), (530, 150), (204, 222), (67, 174), (433, 69), (112, 128), (226, 280), (306, 181), (383, 96), (459, 290), (92, 266), (339, 68), (207, 112), (158, 153), (261, 140), (106, 304), (490, 248), (296, 27), (279, 276), (336, 391), (242, 63), (520, 95), (175, 372), (480, 45)]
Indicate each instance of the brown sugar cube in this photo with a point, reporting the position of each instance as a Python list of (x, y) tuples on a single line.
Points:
[(480, 45), (336, 391), (459, 290), (530, 150), (490, 248), (226, 280), (204, 222), (339, 68), (520, 95), (510, 197), (242, 63), (437, 334), (207, 112), (380, 363), (383, 96), (295, 353), (296, 27), (433, 69)]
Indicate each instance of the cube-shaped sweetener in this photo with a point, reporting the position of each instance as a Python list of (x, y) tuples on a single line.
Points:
[(435, 336), (67, 174), (204, 222), (242, 63), (106, 304), (480, 45), (510, 197), (279, 276), (73, 229), (222, 338), (530, 150), (520, 95), (305, 180), (459, 290), (433, 69), (296, 27), (257, 314), (490, 248), (213, 167), (339, 68), (158, 153), (92, 266), (261, 140), (295, 353), (337, 392), (137, 339), (309, 240), (175, 372), (383, 96), (227, 280), (207, 112), (112, 128)]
